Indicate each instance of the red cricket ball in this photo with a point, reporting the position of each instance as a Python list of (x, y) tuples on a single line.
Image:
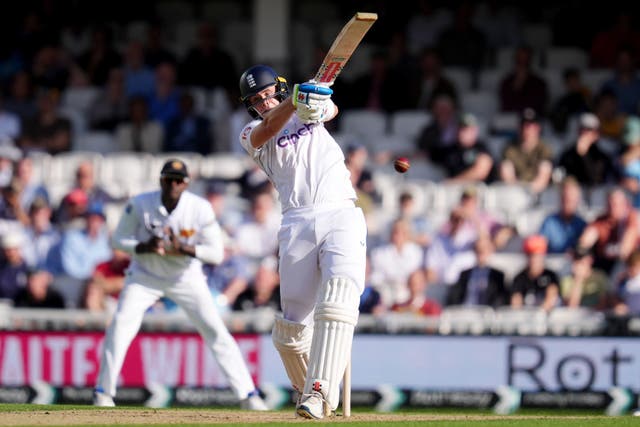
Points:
[(401, 164)]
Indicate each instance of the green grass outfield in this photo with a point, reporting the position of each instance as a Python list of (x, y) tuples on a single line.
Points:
[(84, 415)]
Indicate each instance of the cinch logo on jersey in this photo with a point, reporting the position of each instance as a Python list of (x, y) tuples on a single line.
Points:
[(292, 139)]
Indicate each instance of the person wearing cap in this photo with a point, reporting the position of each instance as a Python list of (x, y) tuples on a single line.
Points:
[(468, 160), (613, 235), (584, 286), (584, 160), (169, 234), (535, 285), (529, 160), (631, 159)]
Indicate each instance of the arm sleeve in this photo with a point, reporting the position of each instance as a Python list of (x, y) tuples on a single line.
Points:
[(210, 249), (124, 235)]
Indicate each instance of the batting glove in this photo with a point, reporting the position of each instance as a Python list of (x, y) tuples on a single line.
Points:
[(316, 113), (310, 94)]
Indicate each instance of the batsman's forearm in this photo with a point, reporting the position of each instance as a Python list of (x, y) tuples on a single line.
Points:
[(272, 123)]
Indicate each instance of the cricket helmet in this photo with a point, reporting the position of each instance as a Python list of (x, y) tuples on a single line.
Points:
[(257, 78)]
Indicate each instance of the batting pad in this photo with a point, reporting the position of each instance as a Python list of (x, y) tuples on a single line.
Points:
[(335, 318), (293, 341)]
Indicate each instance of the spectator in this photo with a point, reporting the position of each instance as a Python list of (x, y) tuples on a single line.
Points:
[(110, 108), (437, 138), (139, 133), (100, 58), (85, 180), (257, 237), (13, 268), (522, 88), (228, 279), (608, 42), (10, 208), (264, 291), (139, 79), (468, 160), (9, 156), (164, 103), (103, 288), (628, 288), (612, 119), (38, 293), (614, 234), (418, 223), (229, 217), (41, 235), (20, 99), (80, 251), (155, 50), (480, 284), (48, 130), (585, 160), (625, 83), (361, 177), (530, 160), (254, 181), (575, 100), (462, 44), (72, 210), (449, 254), (478, 222), (563, 228), (535, 286), (630, 159), (585, 286), (418, 302), (432, 83), (393, 263), (189, 131), (50, 68), (10, 124), (207, 65), (31, 188)]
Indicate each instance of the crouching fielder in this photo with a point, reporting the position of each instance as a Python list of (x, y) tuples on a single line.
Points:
[(169, 233), (322, 240)]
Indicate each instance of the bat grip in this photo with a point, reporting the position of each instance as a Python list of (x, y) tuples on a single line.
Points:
[(315, 88)]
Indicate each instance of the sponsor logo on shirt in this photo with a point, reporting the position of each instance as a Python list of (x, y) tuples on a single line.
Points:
[(245, 132), (187, 233), (294, 137)]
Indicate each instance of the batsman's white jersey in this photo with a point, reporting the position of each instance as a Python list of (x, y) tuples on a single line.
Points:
[(179, 277), (322, 234)]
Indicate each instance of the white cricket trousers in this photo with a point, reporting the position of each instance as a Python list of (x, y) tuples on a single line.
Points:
[(315, 244), (196, 300)]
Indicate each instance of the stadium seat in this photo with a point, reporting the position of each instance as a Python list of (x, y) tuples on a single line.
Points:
[(408, 123), (460, 77), (575, 321), (226, 166), (489, 79), (594, 78), (364, 123), (483, 104), (510, 263), (200, 98), (511, 199), (520, 321), (529, 221), (125, 172), (79, 98), (563, 57), (62, 167), (98, 141), (462, 320)]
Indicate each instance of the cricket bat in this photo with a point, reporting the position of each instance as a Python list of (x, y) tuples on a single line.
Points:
[(343, 47)]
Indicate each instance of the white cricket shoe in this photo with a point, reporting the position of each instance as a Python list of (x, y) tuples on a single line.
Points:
[(253, 403), (311, 406), (102, 399)]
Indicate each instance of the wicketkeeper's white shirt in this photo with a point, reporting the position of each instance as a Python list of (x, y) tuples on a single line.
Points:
[(145, 212), (304, 162)]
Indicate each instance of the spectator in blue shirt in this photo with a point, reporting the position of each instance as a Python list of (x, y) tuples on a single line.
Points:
[(563, 228), (189, 131), (13, 268)]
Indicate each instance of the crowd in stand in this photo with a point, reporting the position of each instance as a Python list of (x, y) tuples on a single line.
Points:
[(57, 254)]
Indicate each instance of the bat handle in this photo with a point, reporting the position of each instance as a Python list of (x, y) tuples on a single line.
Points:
[(320, 89)]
